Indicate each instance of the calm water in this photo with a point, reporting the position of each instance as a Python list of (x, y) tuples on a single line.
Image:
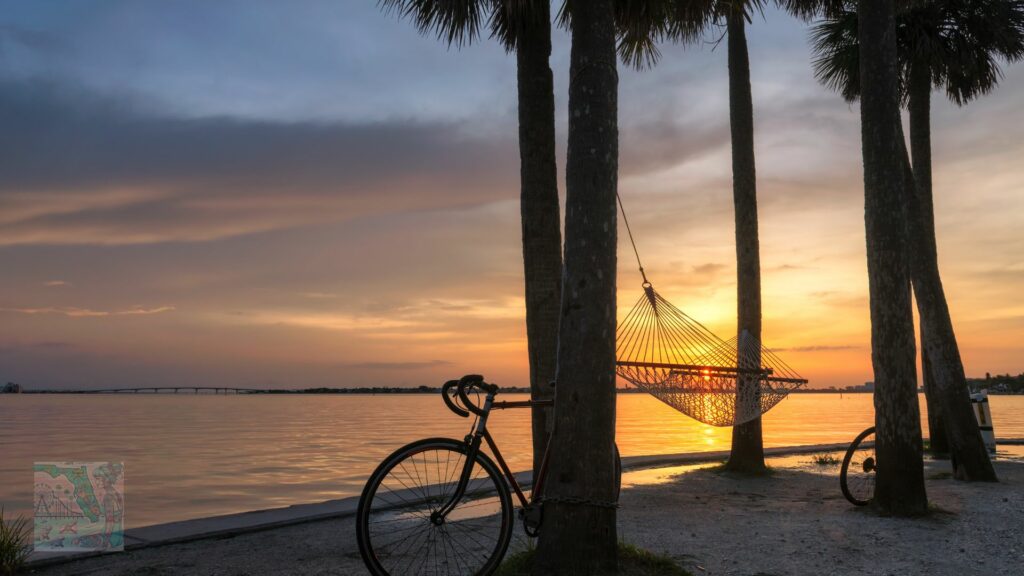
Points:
[(189, 456)]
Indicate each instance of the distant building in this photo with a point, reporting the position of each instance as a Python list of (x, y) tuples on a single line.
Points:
[(869, 386), (11, 388)]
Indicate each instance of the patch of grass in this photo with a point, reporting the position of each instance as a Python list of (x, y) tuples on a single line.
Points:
[(633, 561), (941, 476), (826, 460), (15, 543), (517, 564)]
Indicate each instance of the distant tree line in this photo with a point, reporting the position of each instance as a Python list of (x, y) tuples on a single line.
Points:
[(375, 390), (998, 384)]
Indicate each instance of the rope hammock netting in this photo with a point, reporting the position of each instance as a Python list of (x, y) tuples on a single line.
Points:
[(664, 352)]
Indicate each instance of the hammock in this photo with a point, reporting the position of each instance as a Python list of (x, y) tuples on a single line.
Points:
[(671, 356), (664, 352)]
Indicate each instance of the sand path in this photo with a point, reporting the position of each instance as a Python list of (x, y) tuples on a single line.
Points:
[(793, 522)]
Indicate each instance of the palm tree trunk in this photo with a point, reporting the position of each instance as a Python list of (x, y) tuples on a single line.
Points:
[(542, 234), (949, 384), (747, 453), (938, 444), (579, 535), (899, 487), (920, 146)]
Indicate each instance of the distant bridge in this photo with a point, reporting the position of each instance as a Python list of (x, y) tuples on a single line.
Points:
[(164, 390)]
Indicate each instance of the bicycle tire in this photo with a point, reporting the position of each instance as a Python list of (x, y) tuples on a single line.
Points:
[(859, 490), (397, 537)]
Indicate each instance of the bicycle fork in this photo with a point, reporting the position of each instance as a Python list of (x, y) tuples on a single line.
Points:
[(473, 441)]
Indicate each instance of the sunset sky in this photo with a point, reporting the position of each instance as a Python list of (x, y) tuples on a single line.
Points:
[(311, 194)]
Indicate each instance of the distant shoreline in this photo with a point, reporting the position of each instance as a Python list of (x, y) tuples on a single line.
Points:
[(187, 390)]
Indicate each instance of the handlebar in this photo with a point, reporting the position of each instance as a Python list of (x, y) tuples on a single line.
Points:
[(462, 386), (448, 402)]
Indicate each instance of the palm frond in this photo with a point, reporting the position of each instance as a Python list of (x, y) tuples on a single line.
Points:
[(511, 18), (808, 10), (641, 24), (980, 34), (837, 54), (456, 22), (959, 42)]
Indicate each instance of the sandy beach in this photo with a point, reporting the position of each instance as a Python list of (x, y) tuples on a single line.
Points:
[(792, 522)]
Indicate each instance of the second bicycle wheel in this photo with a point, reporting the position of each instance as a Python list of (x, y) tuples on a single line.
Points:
[(857, 476), (397, 526)]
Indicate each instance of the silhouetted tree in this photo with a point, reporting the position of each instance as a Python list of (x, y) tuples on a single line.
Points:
[(747, 451), (579, 533), (899, 487), (953, 44), (522, 26)]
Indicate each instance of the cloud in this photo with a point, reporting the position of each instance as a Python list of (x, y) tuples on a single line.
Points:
[(649, 147), (397, 365), (819, 348), (79, 168), (44, 346), (709, 268), (74, 312), (56, 283)]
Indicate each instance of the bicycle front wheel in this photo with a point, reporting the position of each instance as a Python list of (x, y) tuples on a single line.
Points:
[(398, 530), (857, 476)]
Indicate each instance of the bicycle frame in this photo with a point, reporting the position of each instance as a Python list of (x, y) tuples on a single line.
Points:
[(480, 435)]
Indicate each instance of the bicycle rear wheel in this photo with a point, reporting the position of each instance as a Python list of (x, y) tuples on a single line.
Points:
[(857, 476), (395, 529)]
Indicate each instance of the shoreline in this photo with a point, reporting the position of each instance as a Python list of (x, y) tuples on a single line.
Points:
[(230, 525), (232, 391)]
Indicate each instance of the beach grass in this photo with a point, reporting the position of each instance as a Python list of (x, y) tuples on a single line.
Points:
[(826, 459), (633, 561), (15, 543)]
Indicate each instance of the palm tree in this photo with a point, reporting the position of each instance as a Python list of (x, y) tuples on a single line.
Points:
[(642, 23), (747, 451), (523, 26), (952, 44), (899, 487), (579, 535)]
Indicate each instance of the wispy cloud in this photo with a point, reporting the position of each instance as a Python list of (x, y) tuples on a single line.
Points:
[(398, 365), (75, 312), (56, 283), (818, 348)]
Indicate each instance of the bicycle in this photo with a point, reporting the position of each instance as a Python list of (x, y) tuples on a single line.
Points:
[(857, 476), (443, 506)]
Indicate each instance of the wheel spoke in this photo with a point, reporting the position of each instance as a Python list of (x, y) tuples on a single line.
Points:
[(857, 476), (398, 532)]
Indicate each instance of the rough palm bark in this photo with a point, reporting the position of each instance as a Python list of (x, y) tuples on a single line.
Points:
[(938, 445), (949, 393), (920, 145), (899, 487), (579, 535), (747, 452), (542, 234)]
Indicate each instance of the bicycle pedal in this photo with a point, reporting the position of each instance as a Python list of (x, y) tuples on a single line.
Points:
[(532, 518)]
